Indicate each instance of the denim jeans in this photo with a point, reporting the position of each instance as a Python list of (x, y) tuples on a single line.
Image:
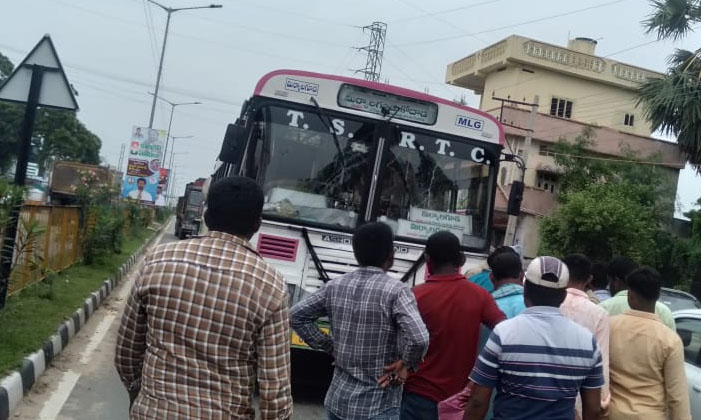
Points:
[(391, 414), (416, 407)]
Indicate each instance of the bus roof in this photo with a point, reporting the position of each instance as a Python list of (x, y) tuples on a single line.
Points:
[(452, 118)]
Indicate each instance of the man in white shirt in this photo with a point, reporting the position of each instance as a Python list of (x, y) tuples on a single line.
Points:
[(140, 193), (160, 199)]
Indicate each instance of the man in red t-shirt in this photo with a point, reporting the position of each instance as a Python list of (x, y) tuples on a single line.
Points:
[(452, 309)]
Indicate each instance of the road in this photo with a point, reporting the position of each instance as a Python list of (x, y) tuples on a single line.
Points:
[(82, 383)]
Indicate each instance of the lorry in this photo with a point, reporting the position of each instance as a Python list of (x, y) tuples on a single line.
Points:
[(188, 213), (67, 175)]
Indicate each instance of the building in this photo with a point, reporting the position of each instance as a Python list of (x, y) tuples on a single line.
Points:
[(575, 89)]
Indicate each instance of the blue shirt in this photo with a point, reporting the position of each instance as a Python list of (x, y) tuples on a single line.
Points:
[(509, 298), (538, 362), (482, 279)]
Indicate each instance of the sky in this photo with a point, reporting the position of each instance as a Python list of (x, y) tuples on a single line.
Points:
[(110, 50)]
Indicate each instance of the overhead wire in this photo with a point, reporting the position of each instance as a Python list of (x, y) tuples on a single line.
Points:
[(149, 32), (443, 12), (527, 22)]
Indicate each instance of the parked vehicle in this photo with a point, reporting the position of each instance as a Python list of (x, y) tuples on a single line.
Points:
[(677, 300), (689, 329), (188, 214)]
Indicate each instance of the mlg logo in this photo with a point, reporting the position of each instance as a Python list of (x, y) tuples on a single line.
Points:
[(468, 122)]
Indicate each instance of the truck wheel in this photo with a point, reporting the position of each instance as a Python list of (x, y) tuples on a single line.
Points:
[(182, 234)]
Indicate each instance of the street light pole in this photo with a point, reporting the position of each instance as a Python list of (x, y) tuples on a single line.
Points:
[(169, 11), (170, 124), (172, 153)]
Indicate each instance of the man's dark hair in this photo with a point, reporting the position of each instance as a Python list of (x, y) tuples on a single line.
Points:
[(579, 267), (500, 250), (620, 267), (373, 244), (599, 279), (444, 249), (507, 265), (234, 205), (646, 282), (141, 179), (543, 296)]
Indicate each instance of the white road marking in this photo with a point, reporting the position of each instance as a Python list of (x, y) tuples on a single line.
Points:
[(59, 397), (100, 332), (54, 404)]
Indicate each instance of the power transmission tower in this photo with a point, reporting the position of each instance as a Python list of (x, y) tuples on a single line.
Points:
[(374, 50)]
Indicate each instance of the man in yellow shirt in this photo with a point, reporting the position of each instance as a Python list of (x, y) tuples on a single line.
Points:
[(647, 379)]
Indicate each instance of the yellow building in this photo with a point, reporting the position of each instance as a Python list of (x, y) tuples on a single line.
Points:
[(575, 89)]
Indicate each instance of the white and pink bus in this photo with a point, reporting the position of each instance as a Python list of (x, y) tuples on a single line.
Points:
[(332, 153)]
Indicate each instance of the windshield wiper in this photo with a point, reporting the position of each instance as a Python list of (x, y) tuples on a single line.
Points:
[(327, 124)]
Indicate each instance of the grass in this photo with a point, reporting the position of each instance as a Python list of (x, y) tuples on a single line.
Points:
[(32, 315)]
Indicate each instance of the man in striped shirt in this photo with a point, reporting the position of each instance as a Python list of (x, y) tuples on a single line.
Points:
[(539, 361)]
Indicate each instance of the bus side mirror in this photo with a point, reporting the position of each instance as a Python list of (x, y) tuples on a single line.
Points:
[(513, 207), (234, 144)]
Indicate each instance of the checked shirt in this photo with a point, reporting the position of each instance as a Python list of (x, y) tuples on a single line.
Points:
[(206, 319), (374, 322)]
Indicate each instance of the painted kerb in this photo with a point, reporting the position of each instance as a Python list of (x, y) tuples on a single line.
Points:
[(15, 385)]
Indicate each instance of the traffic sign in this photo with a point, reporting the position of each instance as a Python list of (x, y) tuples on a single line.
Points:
[(38, 81), (56, 92)]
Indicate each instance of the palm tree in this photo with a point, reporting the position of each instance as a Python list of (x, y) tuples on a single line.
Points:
[(673, 103)]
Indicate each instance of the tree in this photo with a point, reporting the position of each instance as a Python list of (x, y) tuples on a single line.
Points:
[(607, 207), (601, 221), (673, 103), (63, 136)]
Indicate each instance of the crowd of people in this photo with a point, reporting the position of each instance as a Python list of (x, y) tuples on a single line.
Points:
[(207, 322)]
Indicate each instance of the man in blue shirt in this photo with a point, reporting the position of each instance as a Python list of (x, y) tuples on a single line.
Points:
[(507, 277), (539, 361), (482, 278)]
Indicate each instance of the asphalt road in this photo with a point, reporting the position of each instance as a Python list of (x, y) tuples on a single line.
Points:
[(82, 383)]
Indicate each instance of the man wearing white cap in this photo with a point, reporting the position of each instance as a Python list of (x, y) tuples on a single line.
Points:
[(539, 361)]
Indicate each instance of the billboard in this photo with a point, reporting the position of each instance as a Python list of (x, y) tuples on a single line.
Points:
[(162, 187), (143, 175)]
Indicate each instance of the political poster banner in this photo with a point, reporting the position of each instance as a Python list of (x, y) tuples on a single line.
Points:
[(143, 175)]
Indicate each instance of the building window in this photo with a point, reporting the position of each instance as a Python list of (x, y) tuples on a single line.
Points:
[(629, 120), (561, 108), (546, 181), (544, 150)]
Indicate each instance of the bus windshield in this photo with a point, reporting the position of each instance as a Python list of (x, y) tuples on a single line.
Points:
[(435, 183), (427, 182), (306, 172)]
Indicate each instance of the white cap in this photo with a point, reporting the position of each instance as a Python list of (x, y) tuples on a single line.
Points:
[(548, 272)]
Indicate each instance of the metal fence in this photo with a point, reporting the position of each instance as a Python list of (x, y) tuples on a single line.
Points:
[(48, 240)]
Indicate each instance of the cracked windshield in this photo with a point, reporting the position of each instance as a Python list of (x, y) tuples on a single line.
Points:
[(313, 167)]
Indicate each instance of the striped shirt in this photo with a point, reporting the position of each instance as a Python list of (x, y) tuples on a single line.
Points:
[(538, 362)]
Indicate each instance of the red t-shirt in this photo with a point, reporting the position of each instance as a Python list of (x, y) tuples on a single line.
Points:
[(452, 309)]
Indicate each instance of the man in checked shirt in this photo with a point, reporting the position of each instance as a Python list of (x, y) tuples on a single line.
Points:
[(206, 319), (378, 334)]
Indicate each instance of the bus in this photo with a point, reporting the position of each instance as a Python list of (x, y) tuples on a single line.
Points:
[(332, 153)]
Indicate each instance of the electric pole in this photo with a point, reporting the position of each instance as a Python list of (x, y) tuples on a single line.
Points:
[(375, 49), (510, 236), (169, 11)]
